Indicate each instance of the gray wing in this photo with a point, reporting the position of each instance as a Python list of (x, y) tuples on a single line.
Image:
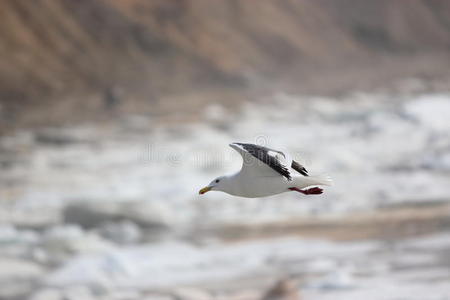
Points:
[(266, 155)]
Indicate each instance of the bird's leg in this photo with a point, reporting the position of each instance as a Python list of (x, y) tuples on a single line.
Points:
[(314, 191), (311, 191)]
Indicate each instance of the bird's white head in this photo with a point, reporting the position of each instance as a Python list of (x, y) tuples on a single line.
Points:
[(218, 184)]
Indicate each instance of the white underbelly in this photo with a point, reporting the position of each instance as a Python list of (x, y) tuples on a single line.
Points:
[(262, 187)]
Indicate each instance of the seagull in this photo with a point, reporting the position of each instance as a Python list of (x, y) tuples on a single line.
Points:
[(266, 172)]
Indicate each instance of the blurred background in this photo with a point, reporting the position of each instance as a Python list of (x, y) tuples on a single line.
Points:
[(114, 113)]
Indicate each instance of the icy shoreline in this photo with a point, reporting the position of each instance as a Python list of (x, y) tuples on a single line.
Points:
[(111, 212), (383, 151)]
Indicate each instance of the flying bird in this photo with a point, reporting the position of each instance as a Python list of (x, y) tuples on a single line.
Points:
[(266, 172)]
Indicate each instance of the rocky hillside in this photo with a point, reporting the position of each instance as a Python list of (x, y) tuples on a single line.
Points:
[(61, 51)]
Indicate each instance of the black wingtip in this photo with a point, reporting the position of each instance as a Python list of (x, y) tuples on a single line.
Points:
[(299, 168)]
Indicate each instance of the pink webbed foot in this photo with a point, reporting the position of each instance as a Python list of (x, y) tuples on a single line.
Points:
[(310, 191)]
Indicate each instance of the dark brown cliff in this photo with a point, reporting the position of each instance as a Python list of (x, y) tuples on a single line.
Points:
[(65, 50)]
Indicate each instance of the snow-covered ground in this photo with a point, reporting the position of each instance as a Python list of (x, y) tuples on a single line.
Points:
[(378, 151), (408, 269), (130, 191)]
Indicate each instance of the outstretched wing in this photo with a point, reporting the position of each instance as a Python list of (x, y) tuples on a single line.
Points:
[(299, 168), (262, 161)]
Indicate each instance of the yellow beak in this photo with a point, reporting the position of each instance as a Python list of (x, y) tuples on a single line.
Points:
[(204, 190)]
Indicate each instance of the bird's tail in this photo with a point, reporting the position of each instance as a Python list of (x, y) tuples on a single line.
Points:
[(323, 179), (305, 181)]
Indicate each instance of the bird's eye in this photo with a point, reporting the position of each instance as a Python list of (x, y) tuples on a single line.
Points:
[(217, 180)]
